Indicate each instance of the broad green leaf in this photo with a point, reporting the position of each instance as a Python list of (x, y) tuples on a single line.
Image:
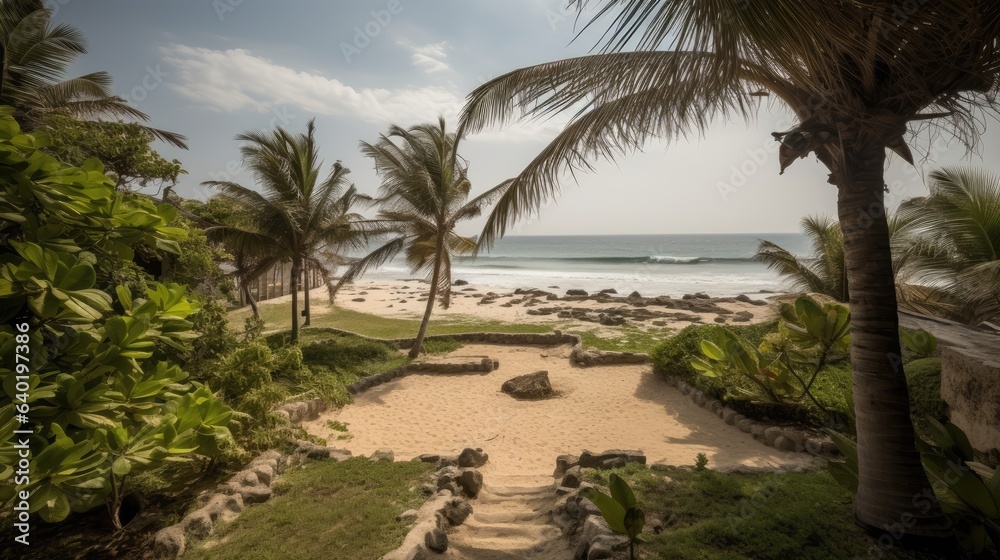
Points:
[(621, 492), (712, 351), (611, 510)]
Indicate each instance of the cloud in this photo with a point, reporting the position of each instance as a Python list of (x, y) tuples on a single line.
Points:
[(430, 58), (235, 79)]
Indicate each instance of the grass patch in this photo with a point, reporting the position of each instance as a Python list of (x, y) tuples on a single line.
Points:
[(325, 510), (627, 338), (278, 316), (712, 516)]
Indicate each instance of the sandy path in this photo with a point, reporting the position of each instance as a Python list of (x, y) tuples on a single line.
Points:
[(599, 408)]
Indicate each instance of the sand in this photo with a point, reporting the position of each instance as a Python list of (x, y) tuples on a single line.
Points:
[(407, 300), (599, 408)]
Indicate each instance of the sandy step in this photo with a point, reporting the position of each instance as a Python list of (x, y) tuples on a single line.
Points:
[(471, 552), (533, 515)]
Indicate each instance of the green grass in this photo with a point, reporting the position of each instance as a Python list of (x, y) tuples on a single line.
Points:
[(325, 510), (627, 338), (277, 317), (712, 516)]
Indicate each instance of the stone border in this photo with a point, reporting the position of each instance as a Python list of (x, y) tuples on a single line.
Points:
[(302, 411), (251, 485), (457, 478), (784, 438)]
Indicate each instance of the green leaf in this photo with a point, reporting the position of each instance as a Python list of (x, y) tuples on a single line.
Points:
[(634, 521), (121, 466), (621, 492), (611, 510), (712, 351)]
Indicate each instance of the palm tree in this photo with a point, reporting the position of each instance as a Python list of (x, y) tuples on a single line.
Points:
[(954, 240), (33, 69), (297, 216), (423, 196), (858, 75), (824, 272)]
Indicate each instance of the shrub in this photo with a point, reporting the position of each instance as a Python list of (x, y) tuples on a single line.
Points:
[(923, 378), (106, 399)]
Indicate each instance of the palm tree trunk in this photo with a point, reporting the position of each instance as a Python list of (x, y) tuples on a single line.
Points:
[(250, 300), (294, 281), (893, 489), (435, 277), (305, 292)]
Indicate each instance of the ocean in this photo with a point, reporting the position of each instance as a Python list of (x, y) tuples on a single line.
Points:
[(675, 264)]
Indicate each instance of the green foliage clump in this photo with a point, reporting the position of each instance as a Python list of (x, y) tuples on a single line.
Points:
[(673, 357), (923, 379), (106, 400)]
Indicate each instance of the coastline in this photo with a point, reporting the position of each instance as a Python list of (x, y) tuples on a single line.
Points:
[(407, 299)]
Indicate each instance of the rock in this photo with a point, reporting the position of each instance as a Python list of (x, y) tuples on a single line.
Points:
[(634, 295), (784, 444), (429, 458), (589, 459), (358, 299), (729, 416), (758, 430), (553, 288), (407, 516), (743, 297), (472, 458), (223, 507), (198, 524), (608, 291), (461, 283), (610, 320), (745, 425), (531, 386), (771, 434), (659, 323), (169, 542), (436, 540), (720, 320), (384, 454), (614, 463), (457, 511), (742, 317), (581, 551), (565, 462), (572, 478), (470, 481), (577, 293), (601, 549)]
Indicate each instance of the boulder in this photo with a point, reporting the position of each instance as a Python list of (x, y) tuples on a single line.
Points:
[(572, 478), (436, 540), (577, 293), (565, 462), (358, 299), (457, 511), (472, 458), (608, 291), (169, 542), (461, 282), (589, 459), (470, 481), (384, 454), (532, 386)]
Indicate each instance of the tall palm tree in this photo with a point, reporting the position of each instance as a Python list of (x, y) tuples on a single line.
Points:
[(954, 239), (857, 74), (297, 215), (423, 196), (824, 272), (33, 73)]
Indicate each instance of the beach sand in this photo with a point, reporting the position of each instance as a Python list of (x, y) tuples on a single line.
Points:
[(407, 300), (598, 408)]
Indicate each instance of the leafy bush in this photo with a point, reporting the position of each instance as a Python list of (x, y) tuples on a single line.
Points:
[(673, 357), (923, 379), (105, 400)]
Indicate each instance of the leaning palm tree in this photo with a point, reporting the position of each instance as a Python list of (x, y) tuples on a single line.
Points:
[(824, 272), (423, 196), (33, 69), (858, 75), (954, 240), (297, 215)]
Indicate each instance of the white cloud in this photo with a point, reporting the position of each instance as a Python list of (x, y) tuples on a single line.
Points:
[(235, 79), (430, 58)]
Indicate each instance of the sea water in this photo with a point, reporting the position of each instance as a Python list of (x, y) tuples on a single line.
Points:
[(673, 264)]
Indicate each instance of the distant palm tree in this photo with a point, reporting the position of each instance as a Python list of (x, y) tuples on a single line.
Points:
[(858, 76), (824, 272), (297, 216), (33, 69), (423, 196), (954, 240)]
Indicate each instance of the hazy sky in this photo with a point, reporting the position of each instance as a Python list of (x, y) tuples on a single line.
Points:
[(210, 69)]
